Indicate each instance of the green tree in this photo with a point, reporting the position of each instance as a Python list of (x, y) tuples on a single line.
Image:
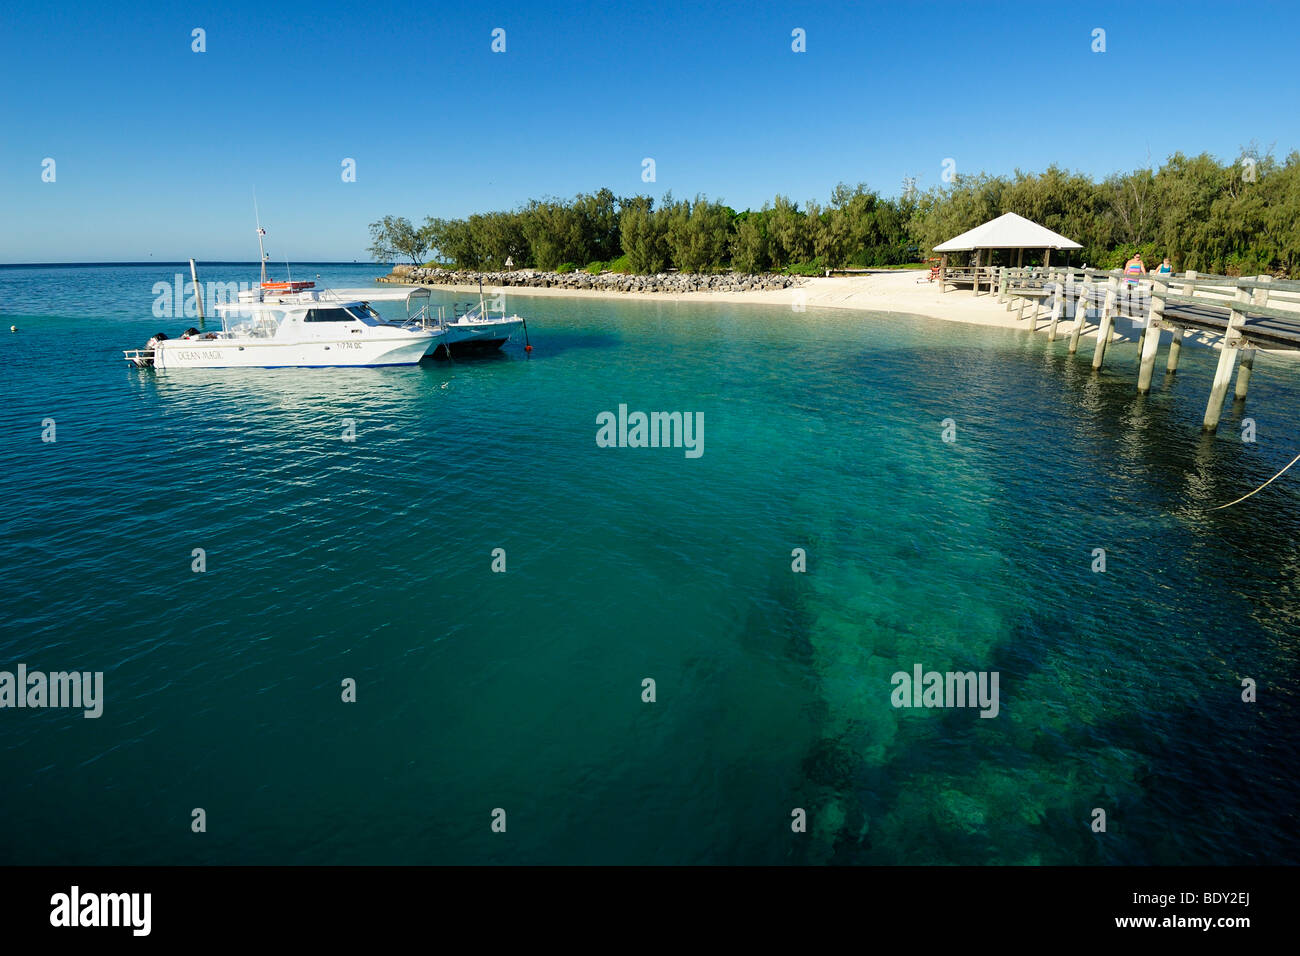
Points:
[(452, 241), (498, 238), (555, 233), (944, 212), (787, 234), (749, 243), (698, 234), (644, 235), (1240, 217), (599, 215), (394, 236)]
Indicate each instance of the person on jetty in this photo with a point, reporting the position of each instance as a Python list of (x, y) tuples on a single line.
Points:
[(1163, 269), (1133, 269)]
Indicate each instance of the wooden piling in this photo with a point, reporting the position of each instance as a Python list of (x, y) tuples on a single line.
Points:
[(1105, 322), (1175, 349), (1260, 297), (1227, 359), (1080, 312), (1243, 373), (198, 292), (1180, 333), (1058, 305), (1151, 340)]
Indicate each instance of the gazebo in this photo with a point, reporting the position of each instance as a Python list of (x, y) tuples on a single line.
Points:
[(1008, 232)]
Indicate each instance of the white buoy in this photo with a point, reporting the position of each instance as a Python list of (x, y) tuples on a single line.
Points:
[(13, 328)]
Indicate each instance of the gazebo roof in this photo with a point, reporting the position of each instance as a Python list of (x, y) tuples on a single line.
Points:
[(1008, 231)]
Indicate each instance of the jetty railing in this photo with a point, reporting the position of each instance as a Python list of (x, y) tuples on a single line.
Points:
[(976, 277), (1244, 313)]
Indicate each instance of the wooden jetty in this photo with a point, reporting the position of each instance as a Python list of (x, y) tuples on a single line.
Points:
[(1246, 314)]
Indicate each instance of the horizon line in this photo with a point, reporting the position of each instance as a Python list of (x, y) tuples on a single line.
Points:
[(186, 262)]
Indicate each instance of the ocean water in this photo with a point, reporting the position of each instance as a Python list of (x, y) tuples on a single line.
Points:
[(370, 560)]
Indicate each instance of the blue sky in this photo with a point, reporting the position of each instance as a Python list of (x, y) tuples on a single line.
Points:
[(158, 149)]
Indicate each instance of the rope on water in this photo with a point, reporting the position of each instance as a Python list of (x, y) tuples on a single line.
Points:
[(1260, 488)]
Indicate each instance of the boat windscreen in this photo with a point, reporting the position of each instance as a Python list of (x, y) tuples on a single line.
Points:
[(362, 310), (329, 315)]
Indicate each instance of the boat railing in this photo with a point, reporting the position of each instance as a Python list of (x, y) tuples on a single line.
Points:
[(425, 319), (477, 312)]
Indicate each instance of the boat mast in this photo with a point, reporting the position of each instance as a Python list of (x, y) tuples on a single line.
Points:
[(260, 233)]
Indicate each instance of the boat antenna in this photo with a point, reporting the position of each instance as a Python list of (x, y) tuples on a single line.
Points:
[(260, 233)]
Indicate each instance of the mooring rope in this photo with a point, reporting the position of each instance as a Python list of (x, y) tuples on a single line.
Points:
[(1260, 488)]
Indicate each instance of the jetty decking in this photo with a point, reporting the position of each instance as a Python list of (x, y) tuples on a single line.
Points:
[(1246, 314)]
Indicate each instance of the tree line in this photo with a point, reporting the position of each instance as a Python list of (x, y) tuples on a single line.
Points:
[(1232, 218)]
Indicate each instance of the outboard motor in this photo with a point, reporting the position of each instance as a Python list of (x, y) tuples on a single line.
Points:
[(146, 358)]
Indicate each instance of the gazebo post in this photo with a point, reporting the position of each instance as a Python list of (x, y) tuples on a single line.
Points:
[(943, 273)]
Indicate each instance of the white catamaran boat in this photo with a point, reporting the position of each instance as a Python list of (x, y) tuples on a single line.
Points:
[(298, 328), (294, 325)]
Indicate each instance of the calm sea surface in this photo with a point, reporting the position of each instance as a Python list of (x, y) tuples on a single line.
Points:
[(371, 560)]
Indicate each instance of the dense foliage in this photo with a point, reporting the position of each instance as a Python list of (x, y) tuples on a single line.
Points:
[(1237, 218)]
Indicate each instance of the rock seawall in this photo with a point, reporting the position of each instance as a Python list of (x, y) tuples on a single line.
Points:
[(605, 282)]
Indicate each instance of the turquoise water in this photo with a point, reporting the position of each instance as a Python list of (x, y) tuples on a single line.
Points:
[(371, 560)]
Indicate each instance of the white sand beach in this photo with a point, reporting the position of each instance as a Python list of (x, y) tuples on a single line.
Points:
[(905, 291)]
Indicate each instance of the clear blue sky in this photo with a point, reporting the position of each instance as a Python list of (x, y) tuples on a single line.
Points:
[(158, 149)]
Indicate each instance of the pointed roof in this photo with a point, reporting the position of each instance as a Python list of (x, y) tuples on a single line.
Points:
[(1007, 232)]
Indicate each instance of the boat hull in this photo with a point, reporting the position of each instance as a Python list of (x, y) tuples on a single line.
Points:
[(339, 353), (475, 338)]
